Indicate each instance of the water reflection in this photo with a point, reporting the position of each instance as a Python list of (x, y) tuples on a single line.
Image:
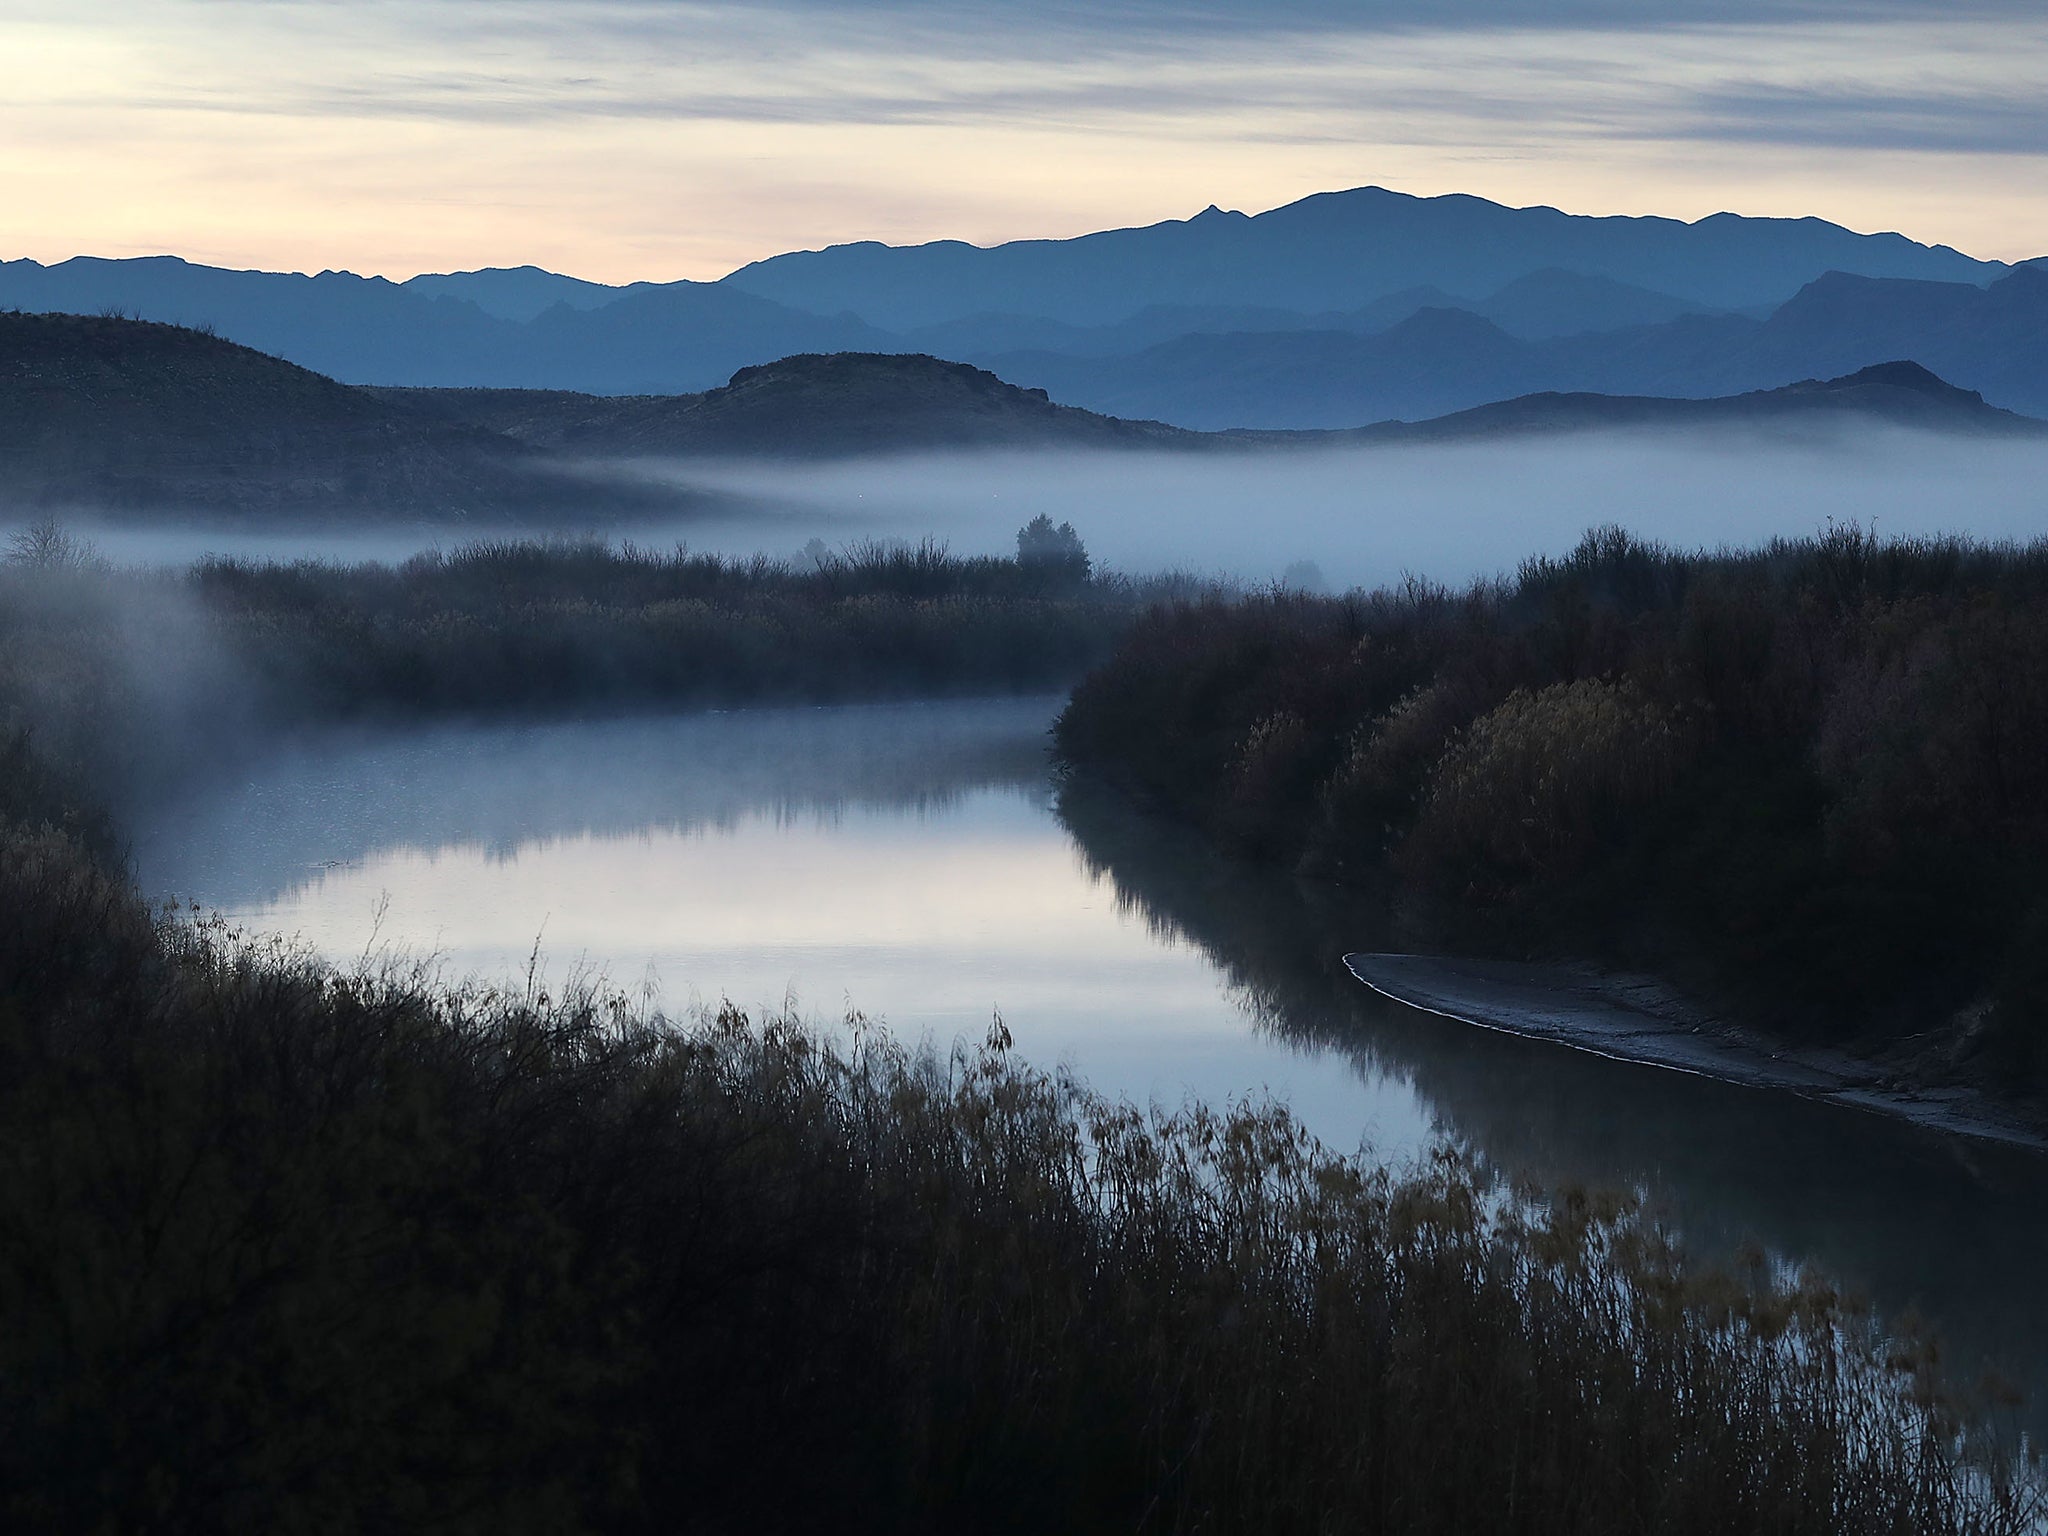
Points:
[(288, 821), (903, 860)]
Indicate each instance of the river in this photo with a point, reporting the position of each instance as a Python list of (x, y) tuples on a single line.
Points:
[(920, 864)]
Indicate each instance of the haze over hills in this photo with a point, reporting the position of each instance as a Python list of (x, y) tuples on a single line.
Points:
[(120, 416), (1313, 315), (1902, 394), (1993, 339), (852, 405), (366, 330)]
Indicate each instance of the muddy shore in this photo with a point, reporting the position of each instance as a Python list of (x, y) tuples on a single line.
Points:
[(1639, 1019)]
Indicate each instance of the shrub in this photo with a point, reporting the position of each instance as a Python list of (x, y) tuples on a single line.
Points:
[(1533, 789)]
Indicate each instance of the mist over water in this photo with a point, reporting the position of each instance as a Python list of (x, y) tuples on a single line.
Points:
[(1364, 516)]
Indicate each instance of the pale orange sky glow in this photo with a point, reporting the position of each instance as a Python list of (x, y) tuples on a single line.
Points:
[(626, 139)]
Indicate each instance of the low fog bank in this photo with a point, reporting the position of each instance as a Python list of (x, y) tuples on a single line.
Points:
[(1365, 516), (1361, 515)]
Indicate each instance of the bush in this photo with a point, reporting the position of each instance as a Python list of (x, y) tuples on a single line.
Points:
[(1535, 788)]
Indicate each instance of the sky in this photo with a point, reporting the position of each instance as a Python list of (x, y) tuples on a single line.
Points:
[(649, 139)]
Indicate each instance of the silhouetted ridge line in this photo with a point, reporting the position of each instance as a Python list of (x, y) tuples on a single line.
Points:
[(1283, 320), (112, 414), (803, 406), (104, 414)]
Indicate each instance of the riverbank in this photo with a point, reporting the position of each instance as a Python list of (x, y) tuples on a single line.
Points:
[(1635, 1018), (1801, 781)]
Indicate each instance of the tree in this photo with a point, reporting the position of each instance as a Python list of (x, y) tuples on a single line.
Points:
[(49, 546), (1051, 549)]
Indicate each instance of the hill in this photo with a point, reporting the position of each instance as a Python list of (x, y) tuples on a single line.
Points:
[(1897, 394), (125, 415), (798, 407), (854, 404)]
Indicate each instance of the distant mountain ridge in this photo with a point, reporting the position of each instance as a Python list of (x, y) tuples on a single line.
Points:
[(1607, 296), (1337, 251), (1994, 340)]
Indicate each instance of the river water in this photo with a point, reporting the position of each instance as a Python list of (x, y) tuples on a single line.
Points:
[(919, 863)]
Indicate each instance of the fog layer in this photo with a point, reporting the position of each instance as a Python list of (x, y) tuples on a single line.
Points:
[(1362, 515), (1368, 515)]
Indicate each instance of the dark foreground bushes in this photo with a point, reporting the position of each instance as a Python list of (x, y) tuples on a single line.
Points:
[(285, 1248), (1814, 776)]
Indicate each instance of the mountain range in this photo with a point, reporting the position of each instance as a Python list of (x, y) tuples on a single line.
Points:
[(1992, 339), (848, 405), (1335, 310)]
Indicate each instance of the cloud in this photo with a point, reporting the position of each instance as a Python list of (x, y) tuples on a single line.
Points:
[(671, 139), (1305, 71)]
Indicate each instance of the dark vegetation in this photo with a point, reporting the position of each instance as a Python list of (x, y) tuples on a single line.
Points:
[(1806, 778), (125, 676), (284, 1248), (587, 626)]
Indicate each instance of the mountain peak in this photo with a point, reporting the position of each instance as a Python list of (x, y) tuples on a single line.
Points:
[(1905, 374)]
